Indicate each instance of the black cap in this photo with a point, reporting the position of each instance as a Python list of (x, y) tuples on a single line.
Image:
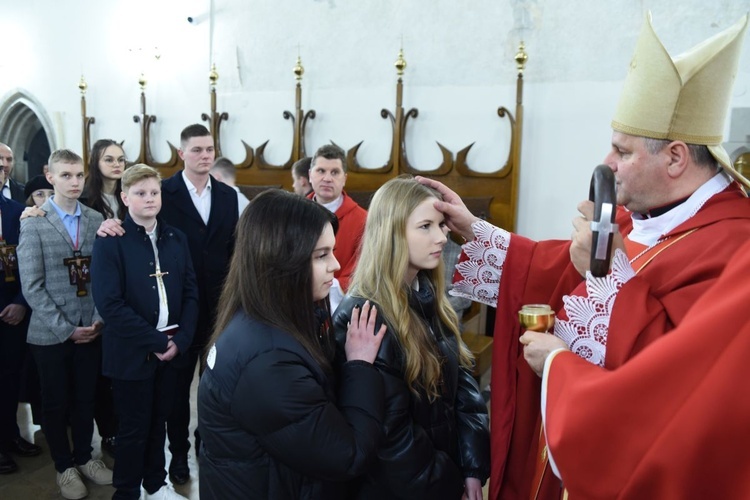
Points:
[(35, 184)]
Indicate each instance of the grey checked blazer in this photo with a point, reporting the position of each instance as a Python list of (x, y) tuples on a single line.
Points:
[(56, 311)]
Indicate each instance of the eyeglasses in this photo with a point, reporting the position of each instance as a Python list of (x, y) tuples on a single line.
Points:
[(112, 161)]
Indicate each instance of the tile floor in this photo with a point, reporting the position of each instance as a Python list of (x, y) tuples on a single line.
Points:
[(35, 478)]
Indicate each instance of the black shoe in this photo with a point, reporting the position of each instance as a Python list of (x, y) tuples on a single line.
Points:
[(7, 465), (22, 448), (109, 446), (179, 472)]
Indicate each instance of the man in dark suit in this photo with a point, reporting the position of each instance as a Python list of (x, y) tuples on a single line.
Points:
[(11, 189), (206, 211), (14, 321)]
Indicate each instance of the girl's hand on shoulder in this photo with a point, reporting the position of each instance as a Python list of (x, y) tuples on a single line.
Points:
[(32, 212), (472, 489), (362, 341)]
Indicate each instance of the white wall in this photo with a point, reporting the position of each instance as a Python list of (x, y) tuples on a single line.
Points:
[(460, 70)]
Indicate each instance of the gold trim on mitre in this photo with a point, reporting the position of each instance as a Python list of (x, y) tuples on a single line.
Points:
[(685, 98)]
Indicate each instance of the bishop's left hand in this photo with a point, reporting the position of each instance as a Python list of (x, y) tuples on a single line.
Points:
[(580, 245), (537, 346)]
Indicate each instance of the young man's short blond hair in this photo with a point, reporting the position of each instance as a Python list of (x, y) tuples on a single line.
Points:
[(63, 156), (136, 174)]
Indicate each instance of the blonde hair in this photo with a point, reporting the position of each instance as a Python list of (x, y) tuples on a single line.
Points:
[(380, 273), (136, 174)]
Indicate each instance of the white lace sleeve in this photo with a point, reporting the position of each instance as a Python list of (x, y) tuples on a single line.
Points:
[(480, 275), (587, 326)]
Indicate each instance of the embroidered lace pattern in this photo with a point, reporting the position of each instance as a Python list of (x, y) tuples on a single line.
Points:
[(480, 275), (585, 331)]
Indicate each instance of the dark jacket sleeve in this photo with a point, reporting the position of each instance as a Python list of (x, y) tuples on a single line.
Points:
[(296, 422), (409, 466), (473, 426), (189, 307)]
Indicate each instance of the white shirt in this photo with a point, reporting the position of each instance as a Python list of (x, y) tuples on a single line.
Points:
[(335, 204), (201, 201), (242, 200), (6, 189), (163, 304)]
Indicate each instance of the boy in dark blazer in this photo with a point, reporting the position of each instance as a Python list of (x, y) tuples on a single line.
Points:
[(145, 289), (54, 259), (206, 211)]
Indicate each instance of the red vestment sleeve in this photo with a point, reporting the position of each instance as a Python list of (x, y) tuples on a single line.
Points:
[(533, 272), (671, 423)]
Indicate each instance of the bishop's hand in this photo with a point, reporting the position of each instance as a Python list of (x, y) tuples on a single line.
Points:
[(537, 346), (580, 245), (458, 217)]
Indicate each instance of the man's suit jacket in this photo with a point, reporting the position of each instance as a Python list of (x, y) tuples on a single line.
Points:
[(211, 244), (16, 191), (56, 309), (10, 291)]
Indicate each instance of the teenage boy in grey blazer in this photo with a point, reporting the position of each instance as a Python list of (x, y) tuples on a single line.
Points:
[(54, 260)]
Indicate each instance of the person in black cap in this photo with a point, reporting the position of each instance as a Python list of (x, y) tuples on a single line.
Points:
[(37, 191)]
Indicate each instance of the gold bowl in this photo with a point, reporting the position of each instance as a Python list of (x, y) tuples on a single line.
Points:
[(536, 317)]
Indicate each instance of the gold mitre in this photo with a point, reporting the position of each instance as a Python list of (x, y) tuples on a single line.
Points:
[(684, 99)]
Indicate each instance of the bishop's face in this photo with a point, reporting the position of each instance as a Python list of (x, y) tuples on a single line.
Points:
[(641, 177)]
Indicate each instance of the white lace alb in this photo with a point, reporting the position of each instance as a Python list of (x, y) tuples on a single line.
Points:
[(586, 329), (480, 275)]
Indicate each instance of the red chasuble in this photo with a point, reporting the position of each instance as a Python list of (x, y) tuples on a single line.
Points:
[(648, 306), (672, 422)]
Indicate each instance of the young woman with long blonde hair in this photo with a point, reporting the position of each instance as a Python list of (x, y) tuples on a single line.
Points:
[(437, 438)]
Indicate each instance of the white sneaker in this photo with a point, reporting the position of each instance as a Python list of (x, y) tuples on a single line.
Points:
[(164, 493), (96, 472), (70, 484)]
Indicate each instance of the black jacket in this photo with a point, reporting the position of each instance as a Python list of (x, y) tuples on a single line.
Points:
[(210, 244), (429, 448), (10, 291), (270, 423), (127, 298)]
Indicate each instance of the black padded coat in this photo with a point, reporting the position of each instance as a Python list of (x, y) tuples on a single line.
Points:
[(429, 448), (271, 424)]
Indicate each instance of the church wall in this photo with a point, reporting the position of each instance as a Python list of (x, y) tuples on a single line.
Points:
[(460, 70)]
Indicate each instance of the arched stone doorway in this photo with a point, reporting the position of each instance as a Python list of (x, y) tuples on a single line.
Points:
[(25, 127)]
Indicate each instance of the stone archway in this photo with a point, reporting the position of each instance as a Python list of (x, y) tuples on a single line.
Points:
[(25, 125)]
